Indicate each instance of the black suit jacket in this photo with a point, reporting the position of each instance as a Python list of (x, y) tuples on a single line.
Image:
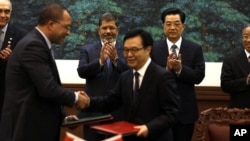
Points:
[(13, 34), (32, 107), (157, 105), (193, 72), (235, 69)]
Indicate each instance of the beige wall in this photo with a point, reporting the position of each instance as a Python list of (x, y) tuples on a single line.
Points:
[(68, 73)]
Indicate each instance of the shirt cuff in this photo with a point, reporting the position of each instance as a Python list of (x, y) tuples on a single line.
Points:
[(76, 97)]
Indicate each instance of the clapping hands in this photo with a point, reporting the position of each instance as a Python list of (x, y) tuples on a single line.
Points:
[(5, 53)]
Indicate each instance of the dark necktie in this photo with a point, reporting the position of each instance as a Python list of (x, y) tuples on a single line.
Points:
[(136, 85), (174, 50), (248, 59)]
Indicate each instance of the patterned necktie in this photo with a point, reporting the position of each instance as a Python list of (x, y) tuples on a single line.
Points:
[(174, 50), (136, 85)]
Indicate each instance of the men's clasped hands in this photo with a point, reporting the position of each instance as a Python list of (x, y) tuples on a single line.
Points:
[(83, 100)]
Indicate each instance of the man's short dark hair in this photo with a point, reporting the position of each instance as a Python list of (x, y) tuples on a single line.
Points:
[(108, 16), (173, 11), (51, 12), (147, 39)]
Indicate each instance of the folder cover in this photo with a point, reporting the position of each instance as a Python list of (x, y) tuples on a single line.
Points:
[(85, 120), (119, 127)]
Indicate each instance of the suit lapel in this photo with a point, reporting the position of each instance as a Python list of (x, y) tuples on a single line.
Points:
[(8, 36)]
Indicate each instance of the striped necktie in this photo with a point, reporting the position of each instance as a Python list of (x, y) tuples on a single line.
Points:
[(174, 50)]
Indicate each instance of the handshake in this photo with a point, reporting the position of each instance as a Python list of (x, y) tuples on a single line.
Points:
[(83, 100)]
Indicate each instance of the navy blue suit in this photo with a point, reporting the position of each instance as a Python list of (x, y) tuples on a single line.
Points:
[(157, 104), (34, 96), (99, 79), (235, 69), (193, 72), (13, 34)]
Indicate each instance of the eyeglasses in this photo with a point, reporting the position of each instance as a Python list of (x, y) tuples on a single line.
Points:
[(67, 27), (5, 11), (131, 50)]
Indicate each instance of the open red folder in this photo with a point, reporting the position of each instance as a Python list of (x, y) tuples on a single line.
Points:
[(119, 127), (86, 120)]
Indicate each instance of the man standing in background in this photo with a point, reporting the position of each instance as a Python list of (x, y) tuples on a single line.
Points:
[(235, 74), (101, 64), (185, 60), (9, 36)]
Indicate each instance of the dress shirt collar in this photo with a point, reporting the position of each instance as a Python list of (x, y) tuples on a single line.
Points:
[(143, 69), (247, 53), (178, 43), (4, 29), (45, 37)]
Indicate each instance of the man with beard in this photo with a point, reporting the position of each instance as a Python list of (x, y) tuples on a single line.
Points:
[(101, 64)]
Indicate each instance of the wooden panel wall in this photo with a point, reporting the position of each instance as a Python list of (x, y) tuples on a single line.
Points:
[(207, 97)]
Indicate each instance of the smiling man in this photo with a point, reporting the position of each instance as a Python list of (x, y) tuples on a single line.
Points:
[(146, 93), (101, 64), (9, 36)]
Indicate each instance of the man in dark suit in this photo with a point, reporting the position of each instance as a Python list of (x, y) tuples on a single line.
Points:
[(101, 64), (235, 74), (9, 36), (34, 96), (152, 102), (185, 60)]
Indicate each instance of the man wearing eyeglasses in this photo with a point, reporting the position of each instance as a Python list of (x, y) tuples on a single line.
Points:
[(185, 60), (101, 64), (9, 36), (146, 93)]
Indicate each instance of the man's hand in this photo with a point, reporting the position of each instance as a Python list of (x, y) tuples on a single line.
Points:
[(103, 54), (174, 64), (5, 53), (142, 131), (111, 51), (83, 100), (71, 118)]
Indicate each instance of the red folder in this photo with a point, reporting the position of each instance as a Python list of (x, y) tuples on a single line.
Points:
[(119, 127)]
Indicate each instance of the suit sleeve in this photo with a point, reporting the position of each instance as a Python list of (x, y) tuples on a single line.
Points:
[(43, 72), (89, 65), (228, 83)]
